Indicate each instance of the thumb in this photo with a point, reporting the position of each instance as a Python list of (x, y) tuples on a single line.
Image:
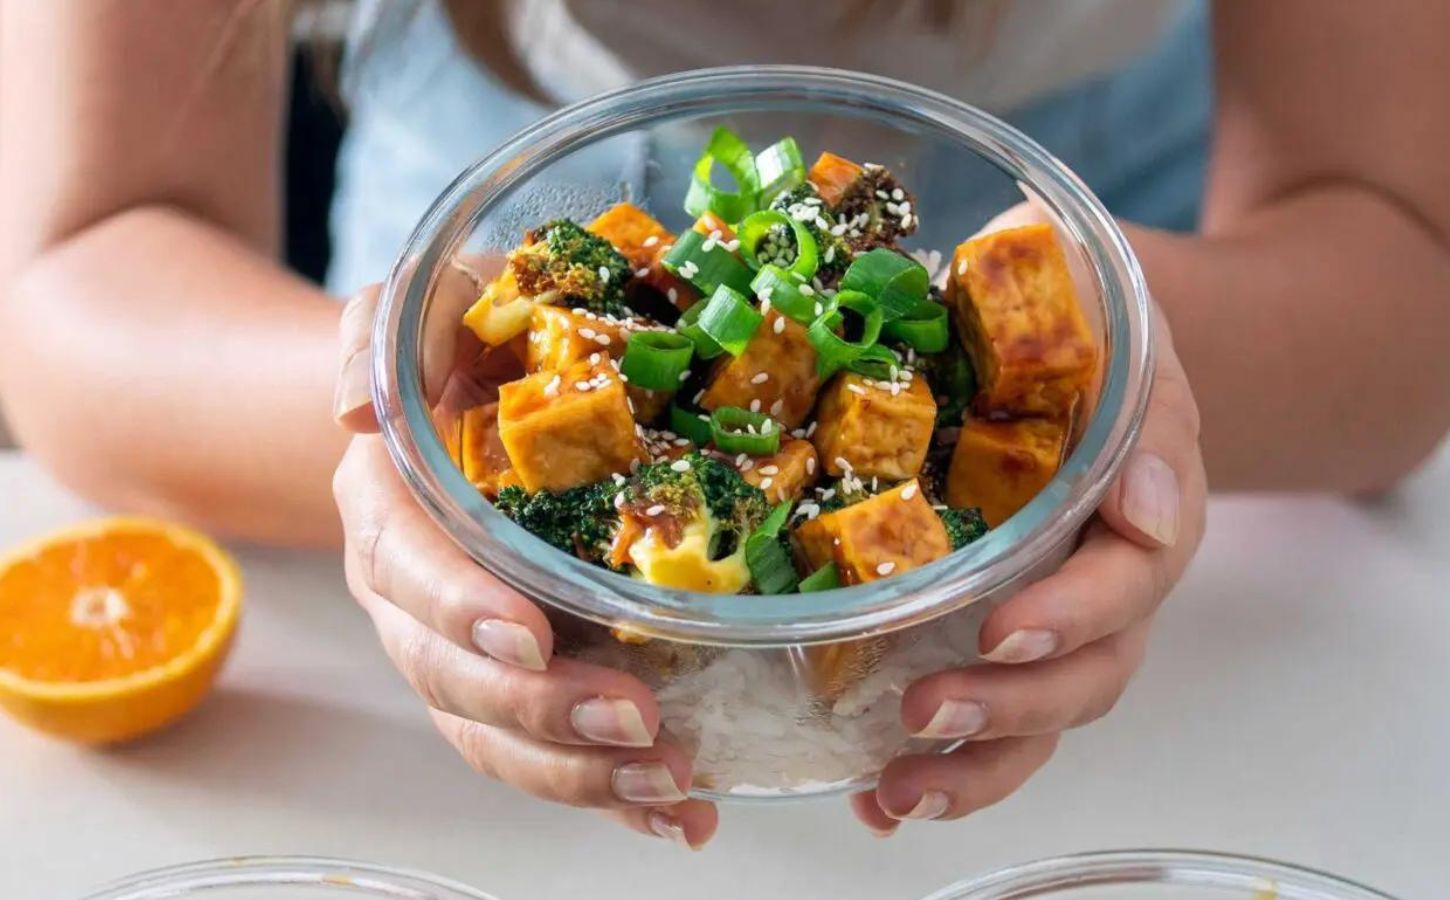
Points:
[(352, 405)]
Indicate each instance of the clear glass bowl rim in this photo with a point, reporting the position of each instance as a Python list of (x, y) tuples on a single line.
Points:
[(366, 879), (1195, 868), (986, 566)]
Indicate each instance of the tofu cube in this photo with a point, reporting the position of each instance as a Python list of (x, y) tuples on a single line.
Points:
[(832, 175), (880, 429), (563, 429), (633, 232), (781, 353), (1020, 320), (500, 313), (1000, 465), (482, 457), (893, 532), (785, 474), (559, 337)]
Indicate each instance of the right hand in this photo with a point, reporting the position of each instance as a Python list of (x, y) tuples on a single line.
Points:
[(479, 654)]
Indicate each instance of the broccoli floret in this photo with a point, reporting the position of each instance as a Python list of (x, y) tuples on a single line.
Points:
[(964, 525), (804, 204), (735, 506), (845, 492), (873, 205), (581, 520), (952, 379), (571, 267)]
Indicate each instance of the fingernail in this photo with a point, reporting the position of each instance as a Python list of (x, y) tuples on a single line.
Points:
[(1023, 646), (606, 720), (956, 719), (645, 783), (354, 384), (1150, 497), (508, 642), (931, 806), (880, 832), (667, 828)]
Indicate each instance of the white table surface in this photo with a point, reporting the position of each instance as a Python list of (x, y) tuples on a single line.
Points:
[(1296, 703)]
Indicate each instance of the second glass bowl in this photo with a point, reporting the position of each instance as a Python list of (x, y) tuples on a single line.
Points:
[(795, 694)]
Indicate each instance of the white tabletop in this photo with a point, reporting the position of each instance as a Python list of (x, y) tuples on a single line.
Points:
[(1296, 704)]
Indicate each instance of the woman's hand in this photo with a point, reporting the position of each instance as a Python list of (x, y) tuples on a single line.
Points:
[(478, 653), (1059, 653)]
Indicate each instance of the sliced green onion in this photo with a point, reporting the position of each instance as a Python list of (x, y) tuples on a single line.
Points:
[(876, 362), (705, 268), (834, 351), (757, 225), (654, 360), (737, 430), (924, 328), (765, 555), (690, 423), (823, 579), (689, 326), (734, 154), (779, 168), (730, 320), (897, 282), (783, 291)]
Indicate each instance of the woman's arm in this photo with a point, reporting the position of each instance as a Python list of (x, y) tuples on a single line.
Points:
[(156, 357), (1313, 314)]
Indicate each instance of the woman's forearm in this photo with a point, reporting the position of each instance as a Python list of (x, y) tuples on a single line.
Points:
[(1316, 332), (156, 364)]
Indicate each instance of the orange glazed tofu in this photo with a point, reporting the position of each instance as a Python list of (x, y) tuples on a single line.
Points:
[(777, 373), (563, 429), (878, 432), (1020, 319), (893, 532), (559, 337), (484, 460), (785, 474), (832, 175), (633, 232), (999, 466)]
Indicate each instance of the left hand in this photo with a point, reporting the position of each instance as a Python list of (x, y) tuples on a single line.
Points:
[(1059, 653)]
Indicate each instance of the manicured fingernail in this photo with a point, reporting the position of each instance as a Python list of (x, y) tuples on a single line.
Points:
[(667, 828), (931, 806), (956, 719), (508, 642), (650, 782), (1023, 646), (880, 832), (354, 384), (607, 720), (1150, 497)]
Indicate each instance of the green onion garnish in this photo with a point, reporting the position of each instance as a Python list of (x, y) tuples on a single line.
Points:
[(897, 282), (783, 291), (690, 423), (765, 555), (823, 579), (737, 430), (706, 267), (734, 154), (730, 320), (779, 168), (834, 351), (924, 328), (654, 360), (876, 362), (757, 226), (689, 327)]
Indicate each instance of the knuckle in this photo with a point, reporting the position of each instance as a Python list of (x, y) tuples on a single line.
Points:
[(475, 744), (418, 661)]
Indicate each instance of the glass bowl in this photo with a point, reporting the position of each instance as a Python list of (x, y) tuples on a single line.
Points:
[(1157, 875), (798, 694), (285, 878)]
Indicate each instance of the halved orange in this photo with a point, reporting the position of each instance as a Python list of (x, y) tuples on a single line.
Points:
[(113, 628)]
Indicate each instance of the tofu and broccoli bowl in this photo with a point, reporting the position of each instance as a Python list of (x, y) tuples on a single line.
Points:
[(759, 397)]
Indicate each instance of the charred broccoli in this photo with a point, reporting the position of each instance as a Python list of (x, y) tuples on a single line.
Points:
[(562, 263), (581, 520), (878, 209), (964, 525), (804, 204), (734, 505)]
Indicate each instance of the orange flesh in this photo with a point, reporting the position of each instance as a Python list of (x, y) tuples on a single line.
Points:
[(104, 607)]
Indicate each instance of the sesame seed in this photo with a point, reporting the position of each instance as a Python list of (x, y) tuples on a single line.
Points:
[(886, 568), (810, 465), (582, 386), (765, 483), (755, 405), (747, 465), (798, 433), (624, 378), (777, 406), (680, 465), (685, 375), (812, 429), (770, 470), (828, 493), (630, 403), (906, 220), (587, 334), (779, 325), (552, 388), (843, 463), (618, 478), (749, 429), (819, 308), (673, 294), (699, 395), (651, 240), (579, 311), (962, 267), (681, 442), (882, 195), (893, 209), (807, 290), (604, 274), (731, 245), (594, 359), (898, 194), (603, 340), (767, 426), (702, 417), (909, 491), (760, 378), (830, 254), (895, 389), (642, 272), (619, 500), (838, 230), (906, 206), (855, 389), (822, 224), (709, 244), (655, 510)]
